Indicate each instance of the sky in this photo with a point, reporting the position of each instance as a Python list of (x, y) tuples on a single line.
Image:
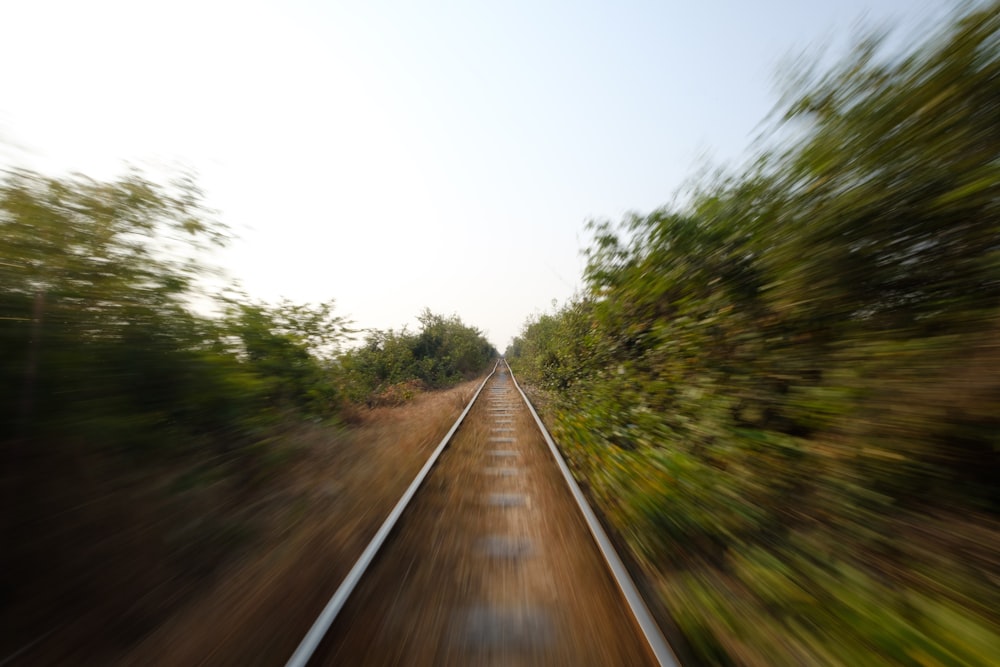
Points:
[(394, 156)]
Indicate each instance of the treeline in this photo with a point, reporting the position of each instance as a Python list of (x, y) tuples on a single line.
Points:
[(785, 394), (99, 332), (391, 365), (131, 425)]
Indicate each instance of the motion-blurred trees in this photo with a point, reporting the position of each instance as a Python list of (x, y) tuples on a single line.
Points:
[(767, 388), (292, 348), (131, 426), (134, 430), (98, 328), (95, 319)]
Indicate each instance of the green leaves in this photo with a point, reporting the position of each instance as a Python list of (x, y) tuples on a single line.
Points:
[(892, 196), (392, 364), (291, 347), (311, 327), (770, 384)]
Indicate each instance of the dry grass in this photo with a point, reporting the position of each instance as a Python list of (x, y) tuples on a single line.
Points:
[(328, 506)]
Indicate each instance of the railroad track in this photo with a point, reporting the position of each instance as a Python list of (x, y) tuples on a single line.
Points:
[(491, 557)]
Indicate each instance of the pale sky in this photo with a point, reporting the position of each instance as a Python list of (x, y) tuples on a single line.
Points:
[(397, 155)]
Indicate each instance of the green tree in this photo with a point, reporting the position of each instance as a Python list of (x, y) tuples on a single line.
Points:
[(766, 388), (292, 347), (89, 268), (444, 351)]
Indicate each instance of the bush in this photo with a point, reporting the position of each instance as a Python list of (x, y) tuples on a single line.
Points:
[(766, 388)]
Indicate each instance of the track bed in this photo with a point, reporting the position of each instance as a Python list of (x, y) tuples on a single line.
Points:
[(491, 563)]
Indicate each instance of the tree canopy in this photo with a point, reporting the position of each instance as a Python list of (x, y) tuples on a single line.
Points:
[(767, 387)]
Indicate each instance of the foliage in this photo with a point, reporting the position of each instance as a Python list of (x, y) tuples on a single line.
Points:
[(132, 425), (139, 438), (768, 389), (92, 273), (391, 365), (291, 347)]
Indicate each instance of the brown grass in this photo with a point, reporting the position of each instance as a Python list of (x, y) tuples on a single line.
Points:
[(336, 497), (307, 524)]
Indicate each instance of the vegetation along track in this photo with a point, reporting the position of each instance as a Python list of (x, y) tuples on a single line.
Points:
[(491, 557)]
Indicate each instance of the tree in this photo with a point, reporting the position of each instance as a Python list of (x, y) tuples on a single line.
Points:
[(86, 266), (292, 346), (443, 352)]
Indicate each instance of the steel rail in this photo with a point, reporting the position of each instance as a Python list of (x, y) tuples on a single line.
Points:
[(315, 635), (657, 643)]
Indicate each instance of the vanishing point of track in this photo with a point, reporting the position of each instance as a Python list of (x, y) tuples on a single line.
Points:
[(491, 557)]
